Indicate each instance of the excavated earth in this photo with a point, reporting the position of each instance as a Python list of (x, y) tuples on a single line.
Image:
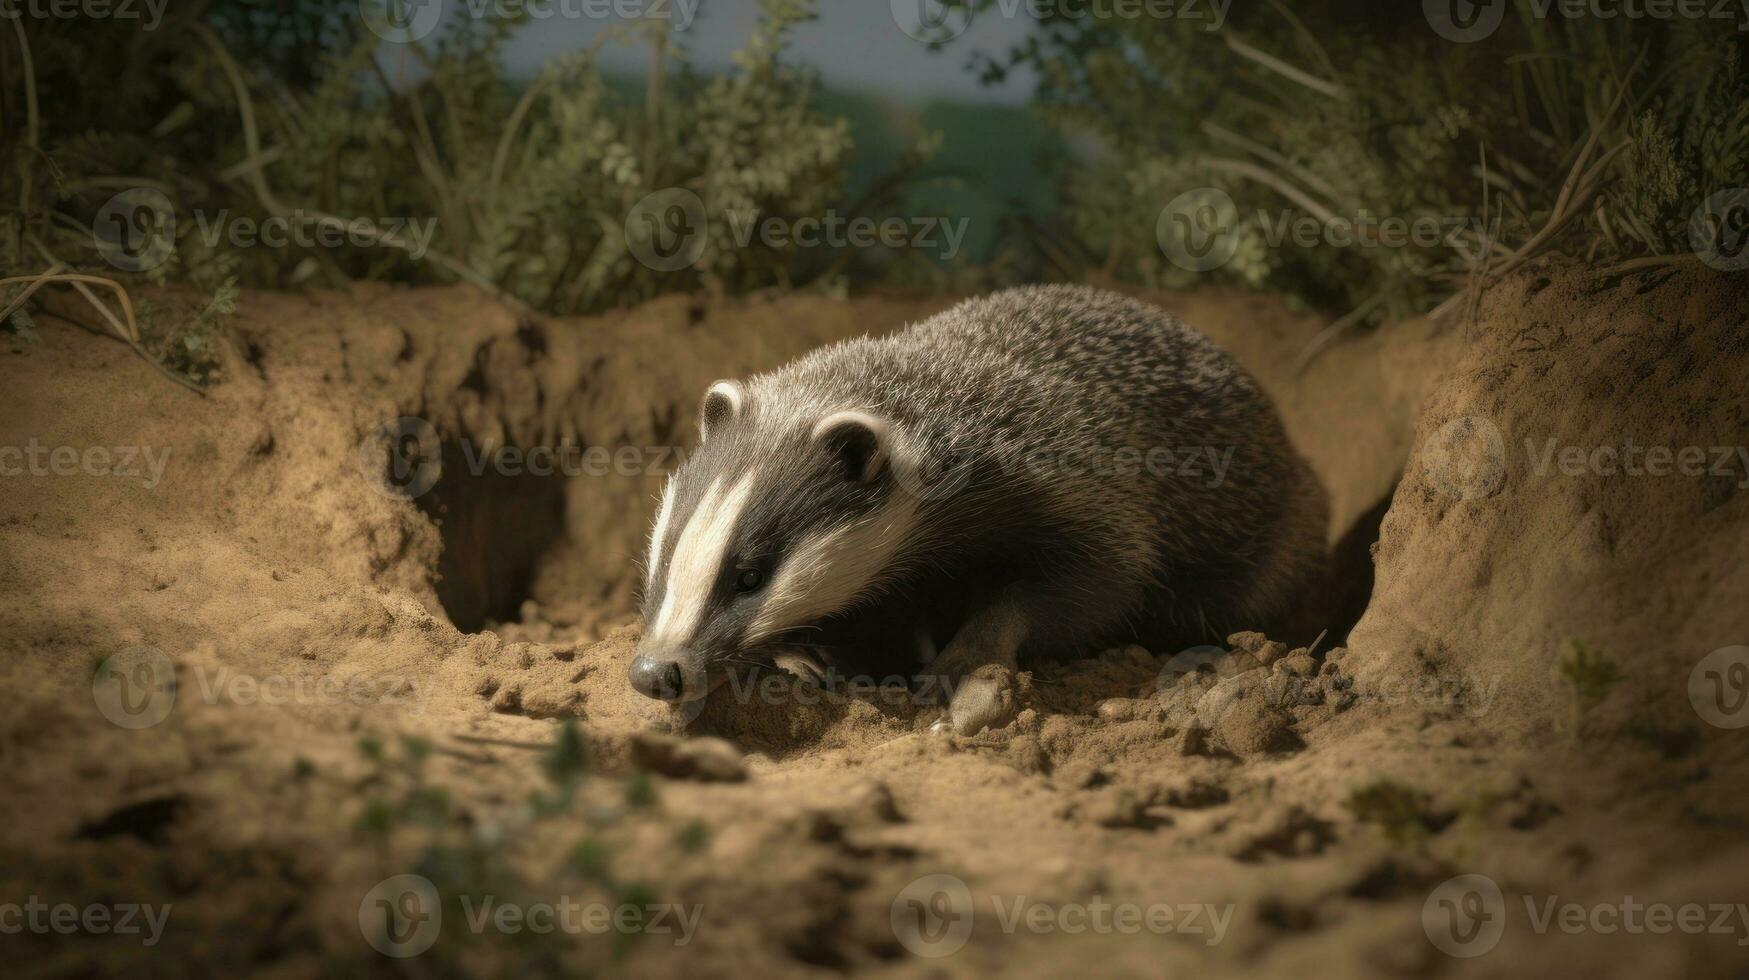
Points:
[(312, 637)]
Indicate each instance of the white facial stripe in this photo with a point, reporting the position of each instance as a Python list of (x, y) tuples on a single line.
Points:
[(660, 534), (698, 558), (829, 571)]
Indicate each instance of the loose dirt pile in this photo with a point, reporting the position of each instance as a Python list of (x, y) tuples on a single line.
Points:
[(1514, 703)]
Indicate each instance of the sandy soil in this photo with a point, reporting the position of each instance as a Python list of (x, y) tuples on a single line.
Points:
[(1290, 811)]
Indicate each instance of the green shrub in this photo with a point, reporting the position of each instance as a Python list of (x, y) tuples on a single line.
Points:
[(240, 112), (1312, 113)]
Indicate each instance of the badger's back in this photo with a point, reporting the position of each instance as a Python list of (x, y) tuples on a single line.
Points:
[(1092, 437)]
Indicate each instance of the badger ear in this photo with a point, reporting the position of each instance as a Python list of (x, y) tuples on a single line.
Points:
[(723, 402), (859, 442)]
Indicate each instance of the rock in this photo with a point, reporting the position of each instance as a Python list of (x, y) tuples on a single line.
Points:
[(1139, 655), (1118, 806), (1179, 708), (1084, 775), (1248, 642), (1270, 652), (1027, 754), (1192, 740), (1261, 648), (1239, 662), (824, 826), (508, 700), (1196, 793), (1219, 699), (706, 759), (1120, 709), (1280, 831), (876, 800), (1299, 663), (1309, 716), (1290, 690), (1254, 726), (556, 701), (1131, 655)]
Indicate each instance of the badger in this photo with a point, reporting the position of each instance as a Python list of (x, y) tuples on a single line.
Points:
[(1045, 471)]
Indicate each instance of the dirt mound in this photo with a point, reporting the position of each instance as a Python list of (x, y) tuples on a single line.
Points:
[(332, 731), (1582, 471)]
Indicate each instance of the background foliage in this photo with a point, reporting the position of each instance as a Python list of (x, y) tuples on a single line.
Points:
[(1361, 111), (241, 111), (1595, 137)]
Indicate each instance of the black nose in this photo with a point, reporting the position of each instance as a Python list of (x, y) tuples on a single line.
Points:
[(659, 679)]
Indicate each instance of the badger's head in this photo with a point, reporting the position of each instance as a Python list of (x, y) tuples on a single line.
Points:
[(787, 514)]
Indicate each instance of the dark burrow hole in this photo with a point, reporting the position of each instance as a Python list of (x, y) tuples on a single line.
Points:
[(496, 523), (1351, 572), (148, 820)]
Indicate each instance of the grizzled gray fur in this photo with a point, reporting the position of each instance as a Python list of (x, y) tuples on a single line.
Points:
[(1043, 471)]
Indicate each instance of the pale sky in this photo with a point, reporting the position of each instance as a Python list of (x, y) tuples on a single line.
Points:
[(855, 44)]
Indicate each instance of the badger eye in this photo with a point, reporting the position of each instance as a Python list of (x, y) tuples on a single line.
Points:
[(749, 580)]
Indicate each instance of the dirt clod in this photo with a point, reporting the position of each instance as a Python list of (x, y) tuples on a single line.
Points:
[(288, 568), (704, 758), (1299, 664), (1253, 726), (875, 799)]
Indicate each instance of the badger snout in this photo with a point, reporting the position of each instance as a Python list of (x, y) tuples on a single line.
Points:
[(667, 676), (658, 678)]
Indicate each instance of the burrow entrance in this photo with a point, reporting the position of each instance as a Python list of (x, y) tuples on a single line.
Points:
[(496, 526)]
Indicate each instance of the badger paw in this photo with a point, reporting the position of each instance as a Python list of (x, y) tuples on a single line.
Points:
[(984, 698)]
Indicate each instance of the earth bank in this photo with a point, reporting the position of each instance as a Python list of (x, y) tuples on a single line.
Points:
[(368, 685)]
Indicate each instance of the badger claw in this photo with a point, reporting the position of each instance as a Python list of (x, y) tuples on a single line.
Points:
[(984, 698), (976, 670)]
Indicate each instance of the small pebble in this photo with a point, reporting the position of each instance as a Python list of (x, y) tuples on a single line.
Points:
[(1118, 709), (1299, 664), (1270, 652)]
